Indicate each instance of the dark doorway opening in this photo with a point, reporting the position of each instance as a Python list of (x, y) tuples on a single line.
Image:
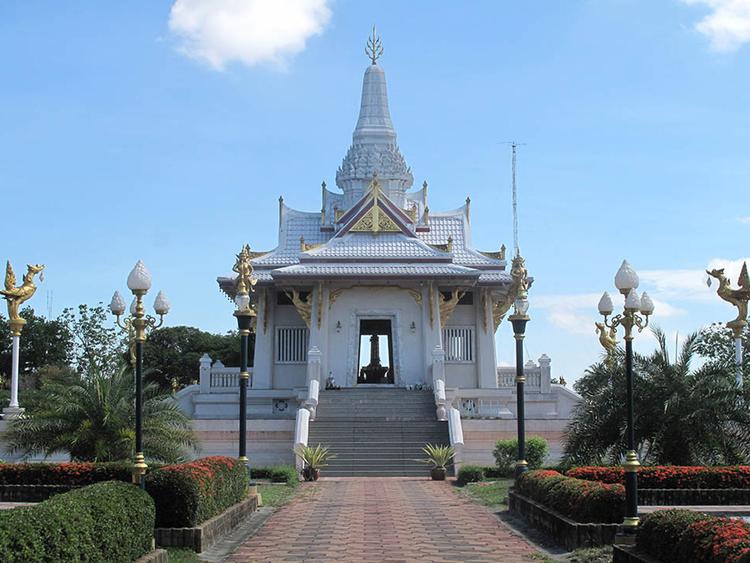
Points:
[(375, 352)]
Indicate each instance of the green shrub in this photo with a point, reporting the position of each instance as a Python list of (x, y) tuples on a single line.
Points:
[(277, 474), (659, 529), (111, 521), (505, 453), (583, 501), (190, 493), (470, 474)]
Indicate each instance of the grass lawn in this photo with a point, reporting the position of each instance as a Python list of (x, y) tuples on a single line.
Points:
[(182, 555), (276, 495), (493, 494)]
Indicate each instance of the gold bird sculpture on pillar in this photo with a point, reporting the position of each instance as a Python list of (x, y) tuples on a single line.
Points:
[(738, 297), (15, 296)]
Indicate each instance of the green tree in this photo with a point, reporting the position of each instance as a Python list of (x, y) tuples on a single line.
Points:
[(43, 343), (716, 343), (94, 420), (96, 347), (683, 414), (175, 352)]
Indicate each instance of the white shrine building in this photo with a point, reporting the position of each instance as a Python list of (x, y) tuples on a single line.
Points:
[(387, 299)]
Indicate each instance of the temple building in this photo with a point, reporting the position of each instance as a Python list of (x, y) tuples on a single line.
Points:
[(376, 323)]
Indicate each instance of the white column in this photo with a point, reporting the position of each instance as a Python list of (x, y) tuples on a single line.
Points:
[(263, 359), (205, 373), (486, 356), (737, 359), (14, 373)]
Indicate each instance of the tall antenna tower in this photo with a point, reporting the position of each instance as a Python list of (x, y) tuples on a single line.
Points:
[(516, 249)]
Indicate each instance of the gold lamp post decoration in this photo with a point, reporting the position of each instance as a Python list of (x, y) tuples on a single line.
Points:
[(246, 316), (626, 281), (739, 298), (138, 324), (15, 296)]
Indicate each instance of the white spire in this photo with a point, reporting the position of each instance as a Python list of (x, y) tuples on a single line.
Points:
[(374, 149)]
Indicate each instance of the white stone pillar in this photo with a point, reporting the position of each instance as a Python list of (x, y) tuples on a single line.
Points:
[(14, 373), (546, 372), (264, 341), (205, 373), (486, 354)]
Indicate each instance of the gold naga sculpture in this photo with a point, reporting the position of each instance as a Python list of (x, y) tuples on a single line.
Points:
[(519, 287), (15, 296), (243, 267), (737, 297), (303, 306), (448, 304), (607, 338)]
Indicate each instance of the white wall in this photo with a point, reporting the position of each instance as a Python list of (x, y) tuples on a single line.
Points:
[(376, 302)]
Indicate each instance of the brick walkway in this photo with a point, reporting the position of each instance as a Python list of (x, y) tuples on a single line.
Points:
[(383, 520)]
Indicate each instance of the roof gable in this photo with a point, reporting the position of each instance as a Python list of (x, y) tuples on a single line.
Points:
[(375, 213)]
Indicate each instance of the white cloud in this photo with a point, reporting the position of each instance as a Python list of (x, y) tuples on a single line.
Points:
[(727, 26), (745, 220), (249, 32)]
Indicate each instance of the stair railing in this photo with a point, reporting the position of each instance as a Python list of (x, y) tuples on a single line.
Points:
[(444, 408), (305, 414)]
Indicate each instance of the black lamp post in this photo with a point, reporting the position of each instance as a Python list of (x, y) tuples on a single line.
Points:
[(137, 324), (245, 320), (626, 281), (518, 319)]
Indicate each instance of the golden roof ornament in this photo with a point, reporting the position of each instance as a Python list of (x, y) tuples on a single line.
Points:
[(374, 48)]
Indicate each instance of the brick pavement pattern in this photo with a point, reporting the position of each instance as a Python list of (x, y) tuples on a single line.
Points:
[(384, 520)]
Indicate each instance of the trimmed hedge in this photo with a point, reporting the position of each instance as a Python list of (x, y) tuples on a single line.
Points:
[(671, 476), (277, 474), (470, 474), (684, 535), (188, 494), (578, 499), (69, 474), (111, 521)]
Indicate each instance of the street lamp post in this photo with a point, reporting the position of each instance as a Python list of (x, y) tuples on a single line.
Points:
[(15, 296), (137, 324), (246, 316), (518, 319), (626, 281)]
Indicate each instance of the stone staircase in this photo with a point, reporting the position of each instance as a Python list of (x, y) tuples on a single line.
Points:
[(376, 432)]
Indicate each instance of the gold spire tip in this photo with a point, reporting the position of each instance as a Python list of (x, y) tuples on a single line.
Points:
[(374, 48)]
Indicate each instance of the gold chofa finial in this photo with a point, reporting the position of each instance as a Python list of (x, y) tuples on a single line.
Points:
[(374, 48)]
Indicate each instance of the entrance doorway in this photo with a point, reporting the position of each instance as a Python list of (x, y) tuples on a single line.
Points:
[(375, 365)]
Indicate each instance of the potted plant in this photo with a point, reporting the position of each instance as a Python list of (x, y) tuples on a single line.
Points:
[(312, 460), (439, 457)]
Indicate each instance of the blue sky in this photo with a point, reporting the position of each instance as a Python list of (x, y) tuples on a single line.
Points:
[(167, 132)]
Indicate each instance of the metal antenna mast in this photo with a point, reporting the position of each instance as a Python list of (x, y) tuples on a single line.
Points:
[(517, 250)]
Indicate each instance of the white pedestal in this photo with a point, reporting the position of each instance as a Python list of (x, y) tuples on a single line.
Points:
[(11, 413)]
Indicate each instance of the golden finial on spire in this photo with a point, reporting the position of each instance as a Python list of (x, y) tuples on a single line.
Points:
[(374, 48)]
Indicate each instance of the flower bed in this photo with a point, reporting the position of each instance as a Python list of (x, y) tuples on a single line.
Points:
[(277, 474), (578, 499), (671, 476), (190, 493), (683, 535), (67, 474), (103, 522)]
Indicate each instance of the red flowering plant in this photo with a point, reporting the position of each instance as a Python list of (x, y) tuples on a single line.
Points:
[(74, 474), (581, 500), (684, 535), (187, 494), (672, 476)]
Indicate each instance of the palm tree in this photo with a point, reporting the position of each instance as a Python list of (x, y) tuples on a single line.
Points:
[(94, 420), (683, 414)]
